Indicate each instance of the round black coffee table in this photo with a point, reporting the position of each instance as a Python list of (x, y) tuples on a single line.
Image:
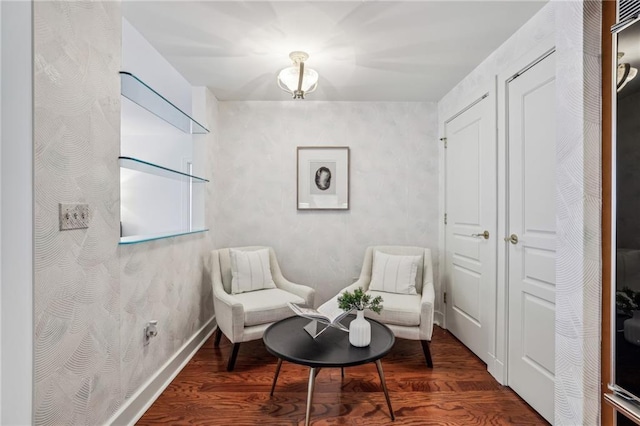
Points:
[(289, 341)]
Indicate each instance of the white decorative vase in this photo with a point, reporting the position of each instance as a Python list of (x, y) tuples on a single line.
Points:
[(632, 329), (360, 331)]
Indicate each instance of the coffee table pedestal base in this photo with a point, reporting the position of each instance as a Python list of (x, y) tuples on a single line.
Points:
[(313, 372)]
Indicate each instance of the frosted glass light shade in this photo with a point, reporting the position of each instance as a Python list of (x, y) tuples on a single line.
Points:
[(289, 77)]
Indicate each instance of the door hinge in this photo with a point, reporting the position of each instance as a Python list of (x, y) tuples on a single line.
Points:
[(445, 218), (445, 297), (445, 142)]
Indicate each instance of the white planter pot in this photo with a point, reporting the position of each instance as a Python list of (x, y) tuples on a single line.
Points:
[(360, 331)]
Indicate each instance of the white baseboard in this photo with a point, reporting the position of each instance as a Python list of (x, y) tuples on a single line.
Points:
[(135, 407)]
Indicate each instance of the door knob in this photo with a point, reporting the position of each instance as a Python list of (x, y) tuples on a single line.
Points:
[(513, 239), (485, 235)]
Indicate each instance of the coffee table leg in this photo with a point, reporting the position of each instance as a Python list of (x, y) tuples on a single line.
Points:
[(275, 378), (312, 381), (384, 388)]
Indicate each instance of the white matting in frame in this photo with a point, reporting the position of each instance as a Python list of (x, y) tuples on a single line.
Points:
[(323, 178)]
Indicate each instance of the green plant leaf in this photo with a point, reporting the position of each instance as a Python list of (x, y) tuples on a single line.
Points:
[(359, 300)]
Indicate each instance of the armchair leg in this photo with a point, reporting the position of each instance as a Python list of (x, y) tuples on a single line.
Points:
[(427, 352), (232, 358), (218, 336)]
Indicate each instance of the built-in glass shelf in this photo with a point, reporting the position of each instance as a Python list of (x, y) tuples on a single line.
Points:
[(137, 91), (134, 239), (154, 169)]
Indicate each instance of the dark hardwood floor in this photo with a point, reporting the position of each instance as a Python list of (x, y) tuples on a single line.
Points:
[(457, 391)]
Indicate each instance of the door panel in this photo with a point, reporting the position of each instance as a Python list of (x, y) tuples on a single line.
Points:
[(470, 261), (531, 216), (537, 321), (467, 293), (540, 266)]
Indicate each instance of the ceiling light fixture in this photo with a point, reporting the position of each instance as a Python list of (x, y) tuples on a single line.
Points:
[(297, 79), (626, 73)]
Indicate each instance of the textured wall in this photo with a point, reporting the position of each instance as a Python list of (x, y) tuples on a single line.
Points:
[(92, 297), (161, 280), (77, 285), (578, 200), (394, 183)]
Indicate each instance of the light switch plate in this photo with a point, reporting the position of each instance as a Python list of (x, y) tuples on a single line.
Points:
[(74, 216)]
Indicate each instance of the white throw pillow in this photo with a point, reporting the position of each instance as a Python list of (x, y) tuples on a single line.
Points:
[(394, 274), (250, 270)]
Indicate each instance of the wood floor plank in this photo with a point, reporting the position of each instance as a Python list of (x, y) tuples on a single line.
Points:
[(457, 391)]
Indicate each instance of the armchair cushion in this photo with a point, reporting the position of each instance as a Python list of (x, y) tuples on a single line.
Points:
[(394, 274), (250, 271), (266, 306), (398, 309)]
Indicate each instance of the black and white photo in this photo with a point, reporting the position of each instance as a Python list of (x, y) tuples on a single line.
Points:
[(323, 178)]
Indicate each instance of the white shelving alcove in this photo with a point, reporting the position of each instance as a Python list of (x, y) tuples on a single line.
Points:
[(159, 195)]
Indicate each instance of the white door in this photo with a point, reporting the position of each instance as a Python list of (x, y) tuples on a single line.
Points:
[(470, 198), (532, 219)]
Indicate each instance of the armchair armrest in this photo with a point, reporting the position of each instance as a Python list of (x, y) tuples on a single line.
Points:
[(359, 283), (426, 312), (332, 304), (228, 311), (427, 301), (307, 293), (363, 281)]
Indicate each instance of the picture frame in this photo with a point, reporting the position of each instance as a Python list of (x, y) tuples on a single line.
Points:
[(322, 178)]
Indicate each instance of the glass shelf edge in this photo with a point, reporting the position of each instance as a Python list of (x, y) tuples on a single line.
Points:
[(141, 165), (199, 128), (135, 239)]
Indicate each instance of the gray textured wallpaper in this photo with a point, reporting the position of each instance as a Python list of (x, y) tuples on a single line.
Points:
[(578, 201), (77, 285), (93, 297)]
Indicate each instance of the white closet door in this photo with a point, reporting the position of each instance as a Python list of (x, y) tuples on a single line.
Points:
[(470, 267), (532, 219)]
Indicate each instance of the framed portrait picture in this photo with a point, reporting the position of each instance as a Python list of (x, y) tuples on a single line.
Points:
[(323, 178)]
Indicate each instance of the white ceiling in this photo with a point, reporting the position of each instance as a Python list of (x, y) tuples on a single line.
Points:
[(363, 50)]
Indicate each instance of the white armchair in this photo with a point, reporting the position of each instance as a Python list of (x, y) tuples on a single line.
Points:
[(409, 316), (245, 316)]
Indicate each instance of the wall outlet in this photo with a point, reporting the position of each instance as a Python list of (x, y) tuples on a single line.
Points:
[(150, 330), (74, 216)]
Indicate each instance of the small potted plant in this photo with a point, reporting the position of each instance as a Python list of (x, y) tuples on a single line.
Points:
[(359, 329)]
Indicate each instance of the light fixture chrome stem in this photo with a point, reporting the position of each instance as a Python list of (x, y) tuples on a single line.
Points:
[(299, 94)]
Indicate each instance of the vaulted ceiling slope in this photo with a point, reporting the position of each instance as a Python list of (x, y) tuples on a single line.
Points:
[(363, 50)]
